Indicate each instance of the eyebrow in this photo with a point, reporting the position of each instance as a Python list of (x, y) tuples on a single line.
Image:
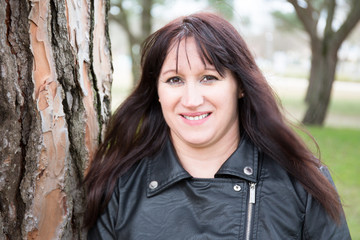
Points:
[(175, 71), (169, 71)]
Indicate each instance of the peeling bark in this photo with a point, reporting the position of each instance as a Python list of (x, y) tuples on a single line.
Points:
[(55, 72)]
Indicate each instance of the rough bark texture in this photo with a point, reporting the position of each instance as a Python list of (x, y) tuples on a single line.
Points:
[(16, 117), (55, 72), (324, 49)]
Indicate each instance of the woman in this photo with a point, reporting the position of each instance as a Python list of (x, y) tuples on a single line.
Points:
[(200, 150)]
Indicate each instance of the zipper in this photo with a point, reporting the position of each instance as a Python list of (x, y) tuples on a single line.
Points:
[(252, 188)]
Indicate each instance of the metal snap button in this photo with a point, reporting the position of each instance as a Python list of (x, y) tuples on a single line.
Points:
[(248, 170), (153, 184), (237, 188)]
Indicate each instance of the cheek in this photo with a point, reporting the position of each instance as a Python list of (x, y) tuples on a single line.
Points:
[(225, 97), (168, 97), (166, 101), (167, 110), (163, 91), (162, 96)]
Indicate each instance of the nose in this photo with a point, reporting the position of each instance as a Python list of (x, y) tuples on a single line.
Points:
[(192, 96)]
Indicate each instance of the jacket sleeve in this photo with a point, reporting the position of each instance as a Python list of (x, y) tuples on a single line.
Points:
[(104, 227), (318, 225)]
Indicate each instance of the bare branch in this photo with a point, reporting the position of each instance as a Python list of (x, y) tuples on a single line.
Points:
[(330, 7), (349, 24), (306, 17), (315, 11)]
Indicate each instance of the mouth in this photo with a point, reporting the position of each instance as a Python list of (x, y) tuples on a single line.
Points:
[(195, 117)]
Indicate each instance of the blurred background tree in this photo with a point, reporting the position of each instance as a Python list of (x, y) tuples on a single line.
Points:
[(125, 12), (328, 23)]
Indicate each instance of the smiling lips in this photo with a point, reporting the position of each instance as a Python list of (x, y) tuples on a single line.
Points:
[(195, 116)]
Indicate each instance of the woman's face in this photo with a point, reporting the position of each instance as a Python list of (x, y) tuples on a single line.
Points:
[(199, 106)]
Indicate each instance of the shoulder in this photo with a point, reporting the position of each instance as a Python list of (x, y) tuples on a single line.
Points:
[(135, 174), (272, 172), (125, 193), (284, 200), (276, 178)]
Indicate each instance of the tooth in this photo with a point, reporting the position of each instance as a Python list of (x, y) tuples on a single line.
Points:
[(192, 118)]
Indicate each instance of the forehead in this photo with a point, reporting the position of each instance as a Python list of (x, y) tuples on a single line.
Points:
[(185, 53)]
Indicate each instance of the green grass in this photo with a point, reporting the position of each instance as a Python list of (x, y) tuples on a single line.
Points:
[(340, 151)]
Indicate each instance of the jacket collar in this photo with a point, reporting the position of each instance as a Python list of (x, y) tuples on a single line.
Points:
[(164, 169)]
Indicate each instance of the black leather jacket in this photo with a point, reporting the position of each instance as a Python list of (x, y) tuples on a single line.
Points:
[(251, 197)]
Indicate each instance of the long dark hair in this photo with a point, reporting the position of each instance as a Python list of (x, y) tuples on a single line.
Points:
[(137, 129)]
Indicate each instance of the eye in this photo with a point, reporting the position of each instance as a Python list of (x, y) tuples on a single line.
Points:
[(174, 81), (209, 79)]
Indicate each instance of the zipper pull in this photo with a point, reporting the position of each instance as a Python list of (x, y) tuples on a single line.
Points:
[(252, 192)]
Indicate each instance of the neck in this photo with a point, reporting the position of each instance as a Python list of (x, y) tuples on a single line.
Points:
[(204, 162)]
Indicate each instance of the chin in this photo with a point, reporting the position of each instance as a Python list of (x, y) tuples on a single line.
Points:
[(197, 141)]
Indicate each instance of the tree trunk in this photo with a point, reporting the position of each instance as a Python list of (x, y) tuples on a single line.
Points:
[(134, 50), (135, 41), (55, 80), (322, 76), (316, 56)]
